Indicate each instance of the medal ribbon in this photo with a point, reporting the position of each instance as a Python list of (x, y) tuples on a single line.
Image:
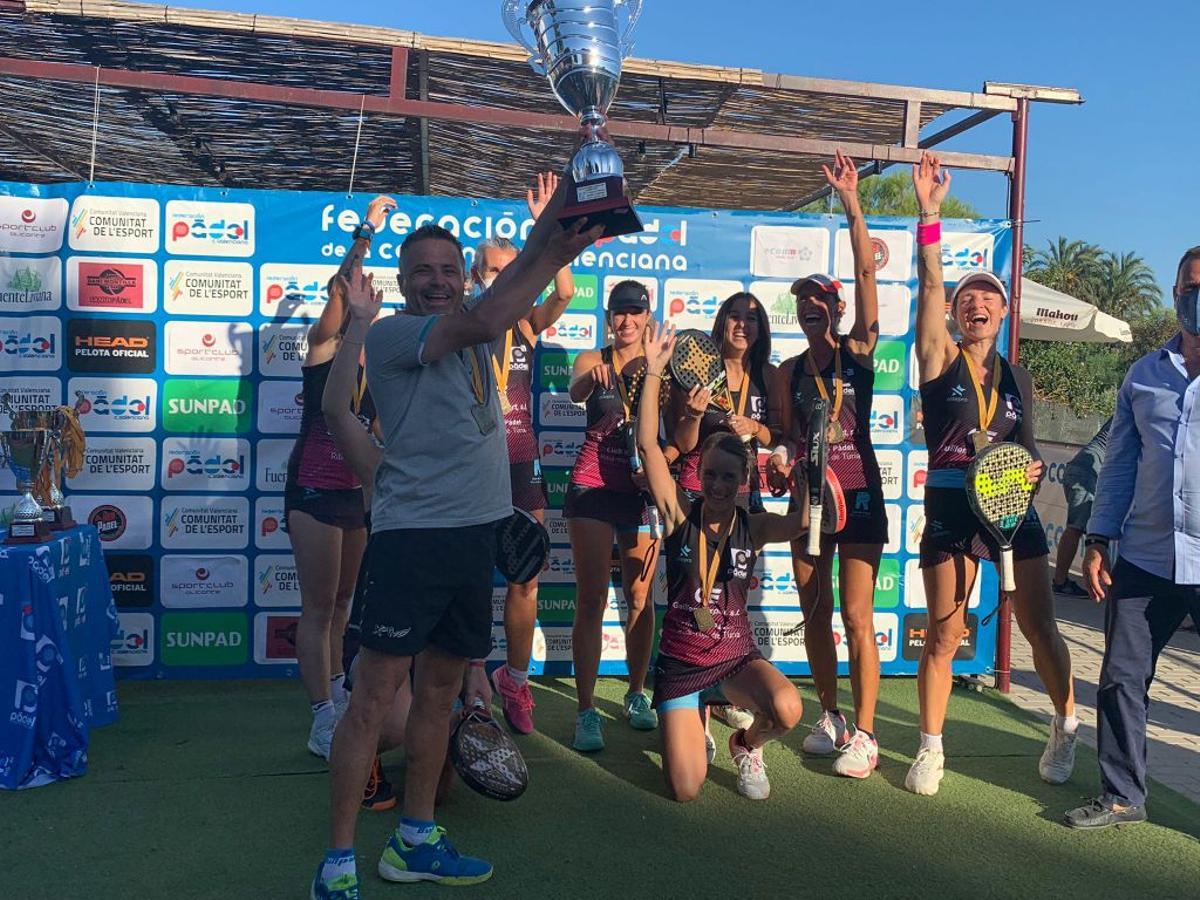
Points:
[(476, 375), (836, 412), (622, 391), (743, 394), (708, 573), (987, 410), (502, 370)]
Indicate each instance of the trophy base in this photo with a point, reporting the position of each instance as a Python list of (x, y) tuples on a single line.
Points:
[(27, 532), (601, 201), (58, 518)]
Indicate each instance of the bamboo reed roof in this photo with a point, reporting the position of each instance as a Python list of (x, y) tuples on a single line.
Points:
[(757, 138)]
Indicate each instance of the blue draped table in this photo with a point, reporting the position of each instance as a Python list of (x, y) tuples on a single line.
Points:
[(57, 623)]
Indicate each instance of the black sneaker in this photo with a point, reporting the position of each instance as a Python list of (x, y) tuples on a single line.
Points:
[(1098, 814), (378, 796), (1070, 588)]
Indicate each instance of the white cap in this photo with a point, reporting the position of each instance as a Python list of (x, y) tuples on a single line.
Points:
[(987, 277)]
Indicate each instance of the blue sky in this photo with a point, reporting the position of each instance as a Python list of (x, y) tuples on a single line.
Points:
[(1104, 172)]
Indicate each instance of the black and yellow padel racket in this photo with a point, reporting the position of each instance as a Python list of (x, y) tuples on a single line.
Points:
[(1000, 494)]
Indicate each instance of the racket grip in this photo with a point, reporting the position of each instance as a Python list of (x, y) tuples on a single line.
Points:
[(655, 520), (1007, 576), (815, 514)]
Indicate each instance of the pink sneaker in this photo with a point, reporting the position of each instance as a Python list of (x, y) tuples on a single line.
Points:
[(517, 700), (859, 757)]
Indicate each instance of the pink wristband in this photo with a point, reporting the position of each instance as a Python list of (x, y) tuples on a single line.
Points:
[(929, 234)]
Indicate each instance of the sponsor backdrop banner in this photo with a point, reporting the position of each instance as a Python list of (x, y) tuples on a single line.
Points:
[(174, 320)]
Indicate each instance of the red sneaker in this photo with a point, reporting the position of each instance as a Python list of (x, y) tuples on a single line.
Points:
[(517, 701)]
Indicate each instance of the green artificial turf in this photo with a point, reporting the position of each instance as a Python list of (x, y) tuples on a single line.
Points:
[(205, 789)]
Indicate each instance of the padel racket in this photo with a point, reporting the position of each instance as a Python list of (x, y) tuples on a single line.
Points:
[(696, 361), (816, 451), (486, 758), (522, 547), (833, 506), (1000, 495)]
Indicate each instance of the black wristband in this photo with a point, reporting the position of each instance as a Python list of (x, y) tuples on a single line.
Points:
[(1096, 540), (364, 231)]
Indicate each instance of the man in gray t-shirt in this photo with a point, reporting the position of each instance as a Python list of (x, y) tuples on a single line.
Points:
[(441, 488)]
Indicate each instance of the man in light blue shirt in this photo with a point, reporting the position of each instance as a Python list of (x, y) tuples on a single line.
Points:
[(1148, 496)]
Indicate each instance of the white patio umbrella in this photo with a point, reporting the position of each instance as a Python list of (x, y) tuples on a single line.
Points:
[(1050, 315)]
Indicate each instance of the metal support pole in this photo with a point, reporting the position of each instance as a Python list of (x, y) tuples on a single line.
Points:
[(1016, 214)]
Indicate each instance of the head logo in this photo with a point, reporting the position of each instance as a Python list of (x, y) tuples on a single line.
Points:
[(109, 520), (202, 574), (28, 216), (208, 340)]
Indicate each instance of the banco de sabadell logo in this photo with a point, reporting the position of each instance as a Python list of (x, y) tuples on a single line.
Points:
[(207, 405)]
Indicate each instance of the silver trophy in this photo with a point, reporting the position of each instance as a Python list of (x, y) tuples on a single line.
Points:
[(579, 46), (25, 451)]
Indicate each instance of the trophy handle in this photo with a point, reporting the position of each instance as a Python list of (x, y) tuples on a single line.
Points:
[(633, 13), (513, 12)]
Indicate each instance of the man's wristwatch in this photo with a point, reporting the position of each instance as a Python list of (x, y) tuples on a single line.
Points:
[(364, 231), (1096, 540)]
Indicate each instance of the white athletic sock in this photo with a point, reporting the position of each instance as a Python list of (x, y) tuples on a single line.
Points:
[(322, 712), (931, 742), (414, 831), (1069, 724), (519, 676), (337, 863)]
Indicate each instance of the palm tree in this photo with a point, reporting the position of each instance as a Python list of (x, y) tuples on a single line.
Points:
[(1072, 267), (1127, 287)]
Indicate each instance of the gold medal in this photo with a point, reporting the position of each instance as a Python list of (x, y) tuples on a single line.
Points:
[(986, 406), (708, 575), (836, 433), (502, 372)]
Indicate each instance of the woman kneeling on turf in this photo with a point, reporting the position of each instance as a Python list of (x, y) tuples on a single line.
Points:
[(706, 653)]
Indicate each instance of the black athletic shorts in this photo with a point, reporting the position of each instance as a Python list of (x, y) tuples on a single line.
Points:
[(340, 508), (528, 487), (430, 586), (866, 518), (951, 529), (623, 510)]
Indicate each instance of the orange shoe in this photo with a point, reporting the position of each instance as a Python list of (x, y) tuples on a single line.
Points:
[(378, 795)]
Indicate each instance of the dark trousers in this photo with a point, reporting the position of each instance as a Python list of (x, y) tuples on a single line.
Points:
[(1143, 613)]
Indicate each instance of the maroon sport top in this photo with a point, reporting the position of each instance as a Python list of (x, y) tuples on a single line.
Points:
[(518, 421), (731, 638)]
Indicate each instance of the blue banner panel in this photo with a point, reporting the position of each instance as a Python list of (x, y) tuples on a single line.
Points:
[(174, 319)]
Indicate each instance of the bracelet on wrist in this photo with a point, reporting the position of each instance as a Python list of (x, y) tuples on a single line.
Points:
[(650, 374), (365, 231), (1096, 540)]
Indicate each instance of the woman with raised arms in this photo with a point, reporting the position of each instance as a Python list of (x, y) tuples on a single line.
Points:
[(972, 397), (839, 368)]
